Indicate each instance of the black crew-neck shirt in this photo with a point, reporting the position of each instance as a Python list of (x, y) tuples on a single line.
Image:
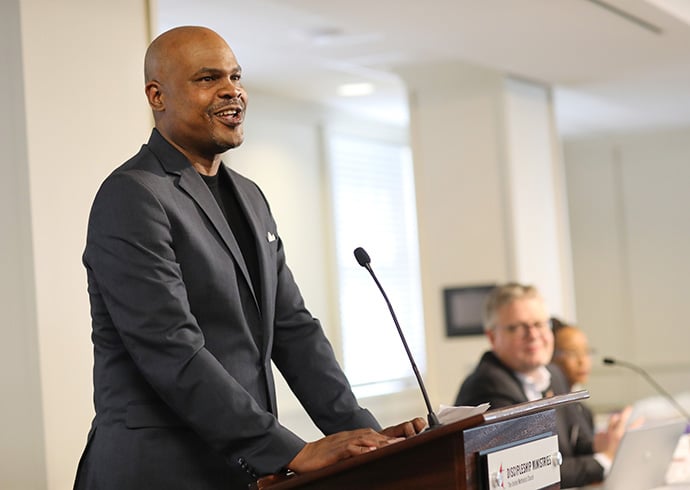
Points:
[(226, 196)]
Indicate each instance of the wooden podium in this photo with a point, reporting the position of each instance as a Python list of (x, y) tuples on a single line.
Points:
[(446, 457)]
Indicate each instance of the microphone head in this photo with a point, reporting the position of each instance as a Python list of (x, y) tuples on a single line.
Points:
[(362, 257), (609, 360)]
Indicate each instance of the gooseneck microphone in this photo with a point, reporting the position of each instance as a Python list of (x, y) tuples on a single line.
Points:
[(363, 259), (614, 362)]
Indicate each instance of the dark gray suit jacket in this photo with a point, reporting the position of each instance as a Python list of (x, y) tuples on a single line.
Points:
[(183, 389), (493, 382)]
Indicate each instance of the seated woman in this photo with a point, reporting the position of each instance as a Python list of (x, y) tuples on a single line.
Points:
[(573, 356), (571, 353)]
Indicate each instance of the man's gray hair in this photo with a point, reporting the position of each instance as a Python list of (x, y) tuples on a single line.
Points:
[(502, 295)]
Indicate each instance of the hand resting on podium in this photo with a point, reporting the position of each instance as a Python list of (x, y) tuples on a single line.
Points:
[(343, 445)]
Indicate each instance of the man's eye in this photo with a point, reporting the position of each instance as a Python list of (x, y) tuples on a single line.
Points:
[(207, 78)]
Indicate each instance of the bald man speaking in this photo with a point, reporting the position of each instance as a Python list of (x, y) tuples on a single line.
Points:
[(191, 299)]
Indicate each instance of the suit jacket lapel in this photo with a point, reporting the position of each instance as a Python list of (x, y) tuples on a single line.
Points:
[(261, 238), (176, 163), (194, 185), (515, 385)]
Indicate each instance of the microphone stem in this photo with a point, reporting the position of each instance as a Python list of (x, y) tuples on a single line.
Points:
[(432, 419), (659, 388)]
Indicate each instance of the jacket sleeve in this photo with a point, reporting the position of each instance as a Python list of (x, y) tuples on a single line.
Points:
[(306, 360), (578, 471), (579, 466)]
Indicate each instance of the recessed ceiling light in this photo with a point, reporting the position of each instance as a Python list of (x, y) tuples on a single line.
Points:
[(334, 37), (355, 89), (680, 9), (318, 36)]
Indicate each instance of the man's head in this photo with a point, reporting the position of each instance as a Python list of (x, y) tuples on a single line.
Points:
[(193, 87), (517, 325), (572, 354)]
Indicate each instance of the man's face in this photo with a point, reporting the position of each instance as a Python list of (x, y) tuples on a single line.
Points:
[(522, 338), (202, 97)]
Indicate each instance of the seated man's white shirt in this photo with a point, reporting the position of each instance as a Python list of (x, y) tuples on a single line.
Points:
[(536, 384)]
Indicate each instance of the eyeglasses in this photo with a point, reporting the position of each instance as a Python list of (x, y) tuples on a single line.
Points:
[(539, 327), (574, 354)]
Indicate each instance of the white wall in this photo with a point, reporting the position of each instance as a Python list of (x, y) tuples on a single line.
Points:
[(490, 199), (85, 112), (538, 202), (630, 237), (457, 141), (22, 452)]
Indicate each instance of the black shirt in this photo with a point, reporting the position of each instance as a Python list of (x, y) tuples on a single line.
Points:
[(226, 196)]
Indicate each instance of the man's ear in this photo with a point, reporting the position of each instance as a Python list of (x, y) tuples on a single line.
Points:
[(155, 96), (491, 335)]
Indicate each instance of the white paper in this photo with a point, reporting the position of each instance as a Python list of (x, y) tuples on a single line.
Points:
[(448, 414)]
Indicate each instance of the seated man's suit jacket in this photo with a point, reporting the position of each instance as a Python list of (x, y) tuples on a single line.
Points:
[(495, 383), (183, 388)]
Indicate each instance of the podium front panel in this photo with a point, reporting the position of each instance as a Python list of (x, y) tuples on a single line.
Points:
[(489, 436)]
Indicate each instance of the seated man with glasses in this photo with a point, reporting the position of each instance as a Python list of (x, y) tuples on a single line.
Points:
[(517, 369)]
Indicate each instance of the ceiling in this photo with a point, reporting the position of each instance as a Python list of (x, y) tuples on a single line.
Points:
[(615, 65)]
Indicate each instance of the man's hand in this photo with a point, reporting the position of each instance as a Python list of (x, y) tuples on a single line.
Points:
[(607, 442), (343, 445), (406, 429)]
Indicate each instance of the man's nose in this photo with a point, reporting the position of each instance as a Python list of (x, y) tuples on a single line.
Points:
[(231, 89)]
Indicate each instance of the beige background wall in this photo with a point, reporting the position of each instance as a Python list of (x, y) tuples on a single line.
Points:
[(84, 111), (629, 203), (22, 455), (490, 199)]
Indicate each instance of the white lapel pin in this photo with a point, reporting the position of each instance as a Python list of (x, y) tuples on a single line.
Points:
[(271, 237)]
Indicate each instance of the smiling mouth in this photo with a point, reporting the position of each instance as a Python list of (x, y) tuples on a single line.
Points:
[(232, 116)]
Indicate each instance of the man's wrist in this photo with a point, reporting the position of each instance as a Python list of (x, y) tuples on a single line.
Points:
[(604, 461)]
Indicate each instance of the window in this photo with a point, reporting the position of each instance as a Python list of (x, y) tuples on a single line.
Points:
[(374, 207)]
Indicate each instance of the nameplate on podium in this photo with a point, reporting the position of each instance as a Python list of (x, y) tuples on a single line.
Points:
[(531, 464)]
